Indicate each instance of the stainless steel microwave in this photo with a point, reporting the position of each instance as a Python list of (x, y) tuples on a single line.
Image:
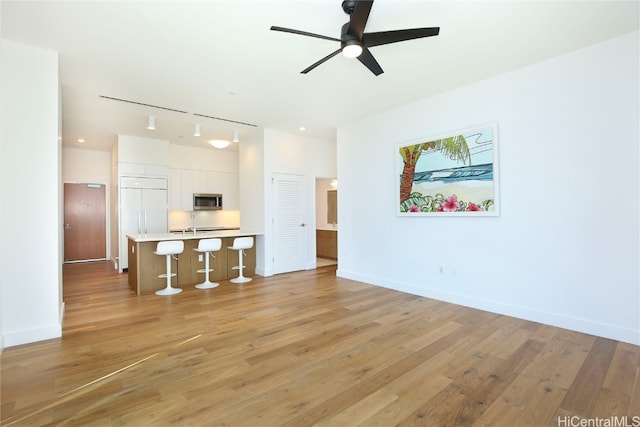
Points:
[(207, 202)]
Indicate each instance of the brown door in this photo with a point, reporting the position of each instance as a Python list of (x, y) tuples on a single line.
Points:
[(84, 222)]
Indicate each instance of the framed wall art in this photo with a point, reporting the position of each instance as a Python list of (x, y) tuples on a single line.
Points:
[(454, 174)]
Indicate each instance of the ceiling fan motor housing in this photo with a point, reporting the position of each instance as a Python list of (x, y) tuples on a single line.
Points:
[(348, 6), (346, 38)]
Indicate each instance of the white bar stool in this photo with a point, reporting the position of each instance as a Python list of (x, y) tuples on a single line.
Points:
[(207, 246), (169, 248), (240, 244)]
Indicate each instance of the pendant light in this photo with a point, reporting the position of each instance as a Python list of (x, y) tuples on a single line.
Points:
[(196, 130), (219, 143), (236, 137), (151, 123)]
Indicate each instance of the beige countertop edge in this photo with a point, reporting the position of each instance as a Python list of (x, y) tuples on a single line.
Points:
[(327, 228), (190, 236)]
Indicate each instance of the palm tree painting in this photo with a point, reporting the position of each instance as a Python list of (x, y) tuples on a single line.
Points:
[(453, 174)]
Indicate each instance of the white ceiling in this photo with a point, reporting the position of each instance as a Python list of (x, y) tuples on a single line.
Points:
[(219, 58)]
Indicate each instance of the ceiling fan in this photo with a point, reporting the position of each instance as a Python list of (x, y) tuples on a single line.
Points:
[(355, 43)]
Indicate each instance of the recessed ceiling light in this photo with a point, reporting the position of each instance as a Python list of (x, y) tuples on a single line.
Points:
[(302, 128), (80, 141)]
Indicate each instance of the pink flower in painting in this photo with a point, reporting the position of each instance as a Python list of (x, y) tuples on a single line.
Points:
[(473, 207), (414, 208), (451, 204)]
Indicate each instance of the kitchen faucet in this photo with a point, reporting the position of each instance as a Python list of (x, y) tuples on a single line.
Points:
[(193, 222)]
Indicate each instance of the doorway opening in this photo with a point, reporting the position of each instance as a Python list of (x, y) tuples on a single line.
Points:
[(326, 222), (85, 222)]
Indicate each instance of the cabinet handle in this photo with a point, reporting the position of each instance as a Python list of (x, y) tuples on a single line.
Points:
[(303, 225)]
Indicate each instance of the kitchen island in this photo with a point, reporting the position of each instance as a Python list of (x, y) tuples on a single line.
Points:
[(145, 266)]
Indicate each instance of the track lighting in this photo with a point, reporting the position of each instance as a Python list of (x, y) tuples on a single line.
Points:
[(196, 130), (151, 123), (236, 137)]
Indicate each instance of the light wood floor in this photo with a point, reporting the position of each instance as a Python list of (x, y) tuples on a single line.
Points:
[(306, 349)]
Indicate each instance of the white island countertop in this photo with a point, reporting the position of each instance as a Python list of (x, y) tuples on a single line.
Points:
[(189, 235)]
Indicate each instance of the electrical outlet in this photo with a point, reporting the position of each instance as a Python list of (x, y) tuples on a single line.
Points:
[(200, 258), (442, 269)]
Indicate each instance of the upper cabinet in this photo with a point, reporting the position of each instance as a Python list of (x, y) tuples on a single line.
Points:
[(198, 170), (133, 149), (184, 182)]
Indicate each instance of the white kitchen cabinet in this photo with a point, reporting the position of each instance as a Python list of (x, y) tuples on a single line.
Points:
[(186, 188), (200, 184), (143, 210), (147, 151), (184, 182), (175, 190), (230, 191), (141, 169), (214, 182)]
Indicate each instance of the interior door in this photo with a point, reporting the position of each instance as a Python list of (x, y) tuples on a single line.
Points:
[(290, 227), (85, 222)]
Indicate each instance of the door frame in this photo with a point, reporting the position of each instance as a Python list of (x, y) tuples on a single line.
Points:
[(307, 220), (107, 227)]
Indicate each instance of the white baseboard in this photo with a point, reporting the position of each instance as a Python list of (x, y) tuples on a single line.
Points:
[(33, 335), (560, 320)]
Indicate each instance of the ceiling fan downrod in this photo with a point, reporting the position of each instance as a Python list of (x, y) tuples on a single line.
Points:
[(348, 6)]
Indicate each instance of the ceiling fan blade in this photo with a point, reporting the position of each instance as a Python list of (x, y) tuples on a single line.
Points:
[(303, 33), (359, 18), (386, 37), (370, 62), (323, 60)]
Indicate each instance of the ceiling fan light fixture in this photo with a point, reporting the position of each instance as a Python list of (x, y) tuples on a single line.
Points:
[(352, 49), (151, 123), (219, 143), (355, 41)]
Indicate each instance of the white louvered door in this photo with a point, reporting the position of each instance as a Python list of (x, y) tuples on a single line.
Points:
[(290, 227)]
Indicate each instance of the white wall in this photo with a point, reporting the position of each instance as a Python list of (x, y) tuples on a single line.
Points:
[(82, 165), (30, 171), (565, 249), (286, 153), (252, 182)]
